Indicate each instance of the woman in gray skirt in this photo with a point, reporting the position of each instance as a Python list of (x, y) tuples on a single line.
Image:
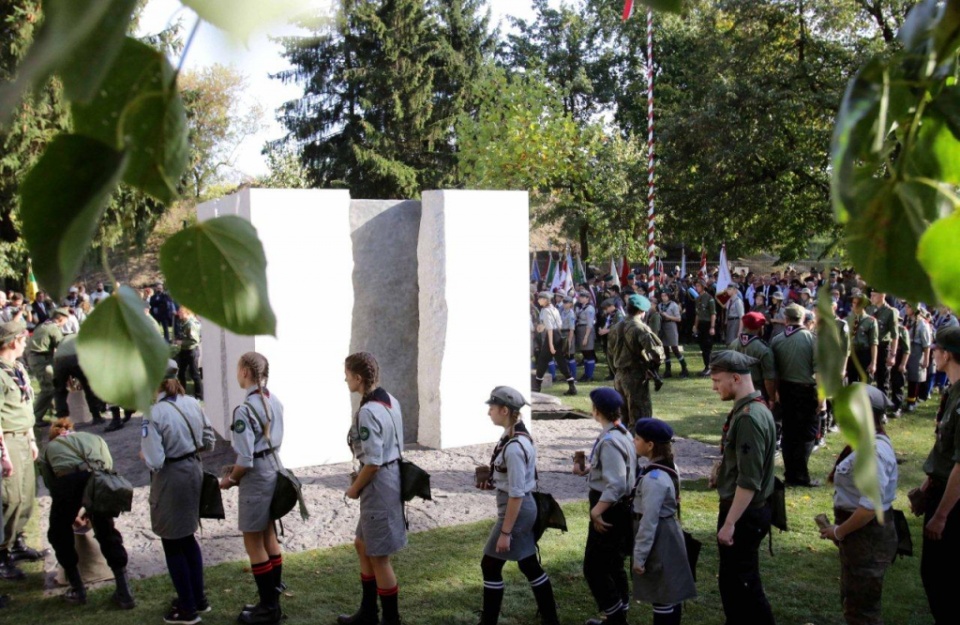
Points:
[(172, 437), (375, 440), (257, 435), (669, 334), (513, 476)]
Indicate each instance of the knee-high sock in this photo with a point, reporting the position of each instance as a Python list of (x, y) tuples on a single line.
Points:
[(389, 601), (263, 576), (277, 563)]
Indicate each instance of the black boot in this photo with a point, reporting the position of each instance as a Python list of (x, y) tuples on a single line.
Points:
[(571, 388), (122, 596), (684, 372), (667, 372), (77, 593), (19, 552), (369, 611), (8, 569), (546, 604), (536, 384)]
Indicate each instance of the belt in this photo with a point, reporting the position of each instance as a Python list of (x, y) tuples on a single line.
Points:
[(265, 452), (395, 460), (181, 458), (72, 472), (732, 318), (24, 433)]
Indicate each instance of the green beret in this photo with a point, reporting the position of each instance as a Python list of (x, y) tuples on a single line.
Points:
[(60, 312), (639, 302), (608, 278), (948, 339), (794, 312), (11, 330), (730, 361)]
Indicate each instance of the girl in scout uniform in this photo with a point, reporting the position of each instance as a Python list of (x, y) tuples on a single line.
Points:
[(64, 465), (670, 313), (866, 547), (514, 477), (921, 338), (611, 470), (552, 345), (171, 440), (375, 438), (257, 435), (661, 572), (586, 334), (569, 318)]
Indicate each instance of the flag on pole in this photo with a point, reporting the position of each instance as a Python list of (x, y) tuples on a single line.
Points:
[(32, 288), (625, 271), (628, 10), (561, 277), (535, 270), (723, 279), (703, 264), (551, 272), (662, 277), (614, 272), (571, 272), (579, 275), (683, 262)]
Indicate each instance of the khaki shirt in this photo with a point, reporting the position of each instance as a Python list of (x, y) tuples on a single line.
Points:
[(887, 319), (754, 346), (795, 354), (16, 414), (61, 458), (748, 449), (45, 339), (946, 450), (863, 331), (706, 307)]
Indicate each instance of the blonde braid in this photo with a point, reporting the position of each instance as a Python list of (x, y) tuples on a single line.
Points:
[(259, 368)]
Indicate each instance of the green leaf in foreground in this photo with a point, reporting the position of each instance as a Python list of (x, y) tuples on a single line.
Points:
[(120, 351), (62, 199), (241, 18), (937, 254), (851, 405), (218, 269), (830, 352)]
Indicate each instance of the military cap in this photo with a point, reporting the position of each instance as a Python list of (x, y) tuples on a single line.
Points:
[(730, 361), (667, 291), (608, 302), (948, 339), (583, 294), (568, 300), (606, 399), (628, 291), (60, 312), (859, 297), (654, 430), (172, 369), (878, 400), (639, 302), (11, 330), (794, 312), (631, 276), (608, 278), (776, 295), (547, 295), (754, 321), (506, 396)]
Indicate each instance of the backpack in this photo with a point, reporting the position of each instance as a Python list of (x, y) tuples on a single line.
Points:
[(107, 492)]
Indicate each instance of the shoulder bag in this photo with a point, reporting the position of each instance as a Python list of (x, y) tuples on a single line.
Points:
[(107, 492), (288, 492), (211, 499)]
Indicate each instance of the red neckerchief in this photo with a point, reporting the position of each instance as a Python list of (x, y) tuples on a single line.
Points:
[(746, 339), (519, 429), (377, 395), (791, 330), (726, 425)]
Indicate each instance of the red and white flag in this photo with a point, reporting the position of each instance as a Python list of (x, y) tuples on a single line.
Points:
[(627, 10), (703, 264)]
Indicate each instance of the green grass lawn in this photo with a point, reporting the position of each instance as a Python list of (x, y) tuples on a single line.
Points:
[(440, 576)]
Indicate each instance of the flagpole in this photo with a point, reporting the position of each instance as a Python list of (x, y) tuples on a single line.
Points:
[(651, 165)]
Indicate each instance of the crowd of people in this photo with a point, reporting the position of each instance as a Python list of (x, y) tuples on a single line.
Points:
[(765, 329)]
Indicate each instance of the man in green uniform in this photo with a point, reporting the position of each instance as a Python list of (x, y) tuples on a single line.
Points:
[(612, 315), (898, 371), (188, 358), (16, 422), (887, 336), (763, 372), (636, 352), (706, 324), (794, 353), (941, 535), (46, 337), (744, 482), (864, 339)]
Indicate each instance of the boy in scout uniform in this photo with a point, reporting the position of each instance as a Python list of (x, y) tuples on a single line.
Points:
[(744, 483), (46, 337), (887, 338), (553, 345), (763, 373), (864, 340), (585, 335), (20, 446), (188, 358), (613, 315), (636, 351), (941, 534), (706, 324), (794, 353)]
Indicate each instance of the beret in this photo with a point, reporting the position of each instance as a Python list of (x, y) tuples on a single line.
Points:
[(654, 430), (948, 339), (606, 399), (544, 295), (11, 330), (60, 312), (608, 302), (730, 361), (794, 312), (878, 400), (507, 396), (608, 278), (754, 321), (639, 302)]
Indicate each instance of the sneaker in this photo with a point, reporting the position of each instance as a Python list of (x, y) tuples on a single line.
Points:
[(178, 617)]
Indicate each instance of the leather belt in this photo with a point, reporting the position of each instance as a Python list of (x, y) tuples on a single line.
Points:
[(265, 452), (181, 458), (24, 433), (70, 472)]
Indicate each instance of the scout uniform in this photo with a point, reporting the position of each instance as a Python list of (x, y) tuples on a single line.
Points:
[(863, 336), (706, 312), (16, 420), (613, 462), (734, 314), (866, 553), (188, 358), (794, 353), (611, 320), (920, 339), (654, 321), (747, 449), (375, 438), (635, 351), (551, 322), (670, 337), (257, 452), (585, 337), (887, 319), (776, 314), (40, 350), (940, 557), (65, 465), (763, 370)]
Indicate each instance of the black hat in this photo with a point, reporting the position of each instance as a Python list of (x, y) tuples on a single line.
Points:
[(948, 339)]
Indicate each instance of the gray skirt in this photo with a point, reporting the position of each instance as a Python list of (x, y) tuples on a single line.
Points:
[(382, 527), (175, 499), (591, 334), (914, 372), (256, 493), (522, 544), (667, 577), (669, 334)]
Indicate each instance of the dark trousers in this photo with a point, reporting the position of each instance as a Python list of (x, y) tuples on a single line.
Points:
[(63, 369), (863, 356), (66, 495), (544, 356), (605, 555), (798, 406), (938, 563), (741, 590), (705, 341), (897, 384), (189, 361), (882, 374), (185, 564)]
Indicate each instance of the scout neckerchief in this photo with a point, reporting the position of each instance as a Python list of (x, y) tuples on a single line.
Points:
[(377, 396), (671, 471), (519, 429), (791, 330), (856, 324), (603, 436), (746, 339), (726, 425), (19, 377)]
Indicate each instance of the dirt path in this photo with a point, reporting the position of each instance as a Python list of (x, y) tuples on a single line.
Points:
[(333, 519)]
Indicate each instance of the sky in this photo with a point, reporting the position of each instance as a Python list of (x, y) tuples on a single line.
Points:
[(256, 60)]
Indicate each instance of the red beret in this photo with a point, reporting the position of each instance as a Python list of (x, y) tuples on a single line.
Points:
[(754, 321)]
